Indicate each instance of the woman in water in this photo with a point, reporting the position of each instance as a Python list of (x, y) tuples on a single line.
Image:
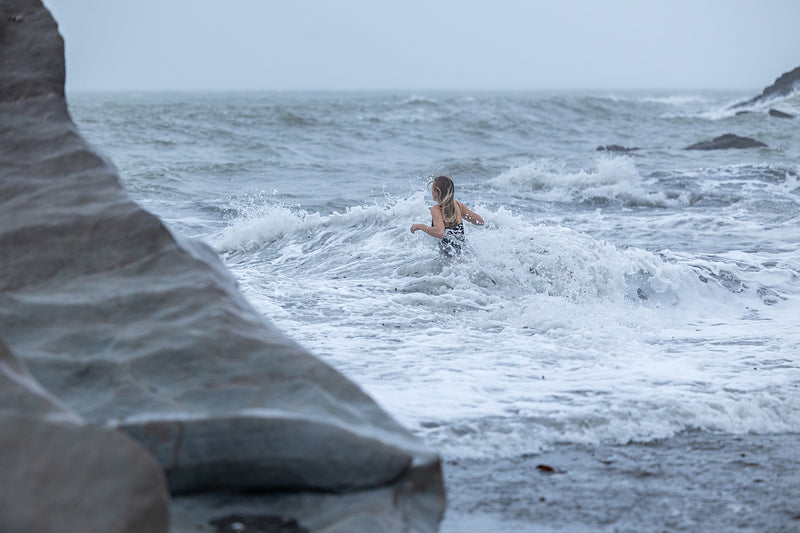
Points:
[(447, 217)]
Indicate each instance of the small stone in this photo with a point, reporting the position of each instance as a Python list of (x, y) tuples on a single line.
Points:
[(615, 148)]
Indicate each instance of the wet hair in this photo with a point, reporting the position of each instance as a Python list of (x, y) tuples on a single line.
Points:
[(447, 203)]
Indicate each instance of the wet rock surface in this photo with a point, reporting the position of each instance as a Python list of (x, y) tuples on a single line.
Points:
[(779, 114), (61, 474), (726, 142)]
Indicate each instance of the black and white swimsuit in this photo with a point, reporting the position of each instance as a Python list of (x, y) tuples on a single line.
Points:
[(453, 240)]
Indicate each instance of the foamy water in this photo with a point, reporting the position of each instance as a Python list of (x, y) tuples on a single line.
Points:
[(536, 322), (610, 302)]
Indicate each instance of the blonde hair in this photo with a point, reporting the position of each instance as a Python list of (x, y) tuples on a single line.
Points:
[(447, 202)]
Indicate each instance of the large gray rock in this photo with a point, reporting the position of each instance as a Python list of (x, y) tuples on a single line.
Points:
[(726, 142), (59, 474), (786, 84), (136, 328)]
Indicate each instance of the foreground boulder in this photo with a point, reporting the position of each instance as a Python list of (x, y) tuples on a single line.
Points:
[(136, 328), (60, 474), (727, 141), (786, 84)]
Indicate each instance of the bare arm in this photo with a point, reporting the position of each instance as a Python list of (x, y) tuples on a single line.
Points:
[(470, 216), (437, 230)]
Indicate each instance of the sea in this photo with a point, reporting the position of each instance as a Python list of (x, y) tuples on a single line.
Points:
[(617, 349)]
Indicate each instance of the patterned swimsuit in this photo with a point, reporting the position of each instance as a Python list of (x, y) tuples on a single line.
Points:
[(453, 240)]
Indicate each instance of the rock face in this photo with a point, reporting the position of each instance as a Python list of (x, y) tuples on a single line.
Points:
[(785, 85), (60, 474), (141, 330), (727, 141)]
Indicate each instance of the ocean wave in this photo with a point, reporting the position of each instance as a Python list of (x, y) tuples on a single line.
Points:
[(508, 258), (789, 103), (615, 179), (269, 221), (417, 100), (516, 258), (292, 118), (673, 100), (604, 325), (762, 185), (544, 419)]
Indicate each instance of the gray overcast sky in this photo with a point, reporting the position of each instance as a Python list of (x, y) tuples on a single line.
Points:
[(427, 44)]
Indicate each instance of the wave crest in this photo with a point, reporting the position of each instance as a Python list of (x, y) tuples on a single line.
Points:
[(268, 222), (616, 179)]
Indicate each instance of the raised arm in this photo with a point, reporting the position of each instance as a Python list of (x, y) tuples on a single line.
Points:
[(470, 216)]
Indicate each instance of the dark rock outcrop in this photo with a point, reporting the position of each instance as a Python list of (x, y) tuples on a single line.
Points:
[(138, 329), (615, 148), (727, 141), (786, 84), (60, 474), (779, 114), (24, 27)]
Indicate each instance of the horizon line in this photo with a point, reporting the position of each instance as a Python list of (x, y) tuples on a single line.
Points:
[(395, 89)]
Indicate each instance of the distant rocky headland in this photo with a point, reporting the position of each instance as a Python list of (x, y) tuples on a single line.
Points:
[(139, 390), (786, 84)]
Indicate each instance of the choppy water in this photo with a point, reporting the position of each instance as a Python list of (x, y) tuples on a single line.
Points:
[(615, 312)]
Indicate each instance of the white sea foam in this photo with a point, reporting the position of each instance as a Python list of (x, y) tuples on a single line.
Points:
[(508, 254), (269, 221), (789, 104), (614, 179), (416, 99), (676, 100), (539, 334)]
